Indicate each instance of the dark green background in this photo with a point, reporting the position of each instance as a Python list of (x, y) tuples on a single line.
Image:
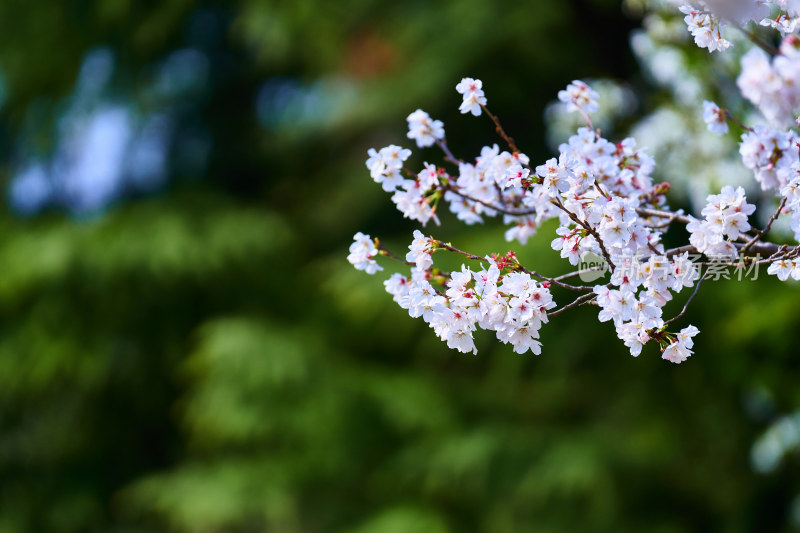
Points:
[(202, 358)]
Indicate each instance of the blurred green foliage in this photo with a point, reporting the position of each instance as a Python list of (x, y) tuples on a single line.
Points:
[(204, 359)]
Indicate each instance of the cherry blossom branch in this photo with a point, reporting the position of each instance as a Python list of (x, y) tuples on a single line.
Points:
[(716, 239), (449, 247), (784, 252), (558, 283)]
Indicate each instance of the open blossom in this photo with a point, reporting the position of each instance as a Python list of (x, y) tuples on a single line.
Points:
[(397, 285), (420, 251), (472, 90), (725, 217), (362, 252), (634, 335), (554, 177), (385, 166), (411, 200), (738, 11), (788, 19), (681, 348), (791, 192), (424, 130), (515, 309), (770, 153), (773, 84), (705, 28), (714, 117), (684, 272), (784, 268), (579, 95)]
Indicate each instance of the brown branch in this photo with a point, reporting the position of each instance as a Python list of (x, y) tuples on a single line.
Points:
[(556, 282), (500, 130), (503, 210), (384, 251), (686, 306), (736, 121), (761, 233), (449, 247), (683, 219), (580, 300), (771, 50), (577, 273), (679, 250), (757, 249), (448, 155)]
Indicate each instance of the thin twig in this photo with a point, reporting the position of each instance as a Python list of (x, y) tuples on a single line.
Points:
[(503, 210), (686, 306), (768, 48), (448, 155), (556, 282), (587, 118), (601, 190), (578, 273), (451, 248), (757, 249), (500, 130), (736, 121), (683, 219), (580, 300), (761, 233), (384, 251), (681, 249)]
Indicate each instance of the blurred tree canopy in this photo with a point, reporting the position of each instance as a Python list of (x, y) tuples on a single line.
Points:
[(184, 348)]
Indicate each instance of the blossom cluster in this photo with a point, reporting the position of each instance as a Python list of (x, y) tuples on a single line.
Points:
[(771, 154), (474, 98), (424, 130), (725, 219), (715, 118), (773, 84), (594, 188), (787, 19), (705, 19), (607, 206), (510, 303), (637, 316), (578, 95), (362, 253), (705, 28), (385, 166)]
